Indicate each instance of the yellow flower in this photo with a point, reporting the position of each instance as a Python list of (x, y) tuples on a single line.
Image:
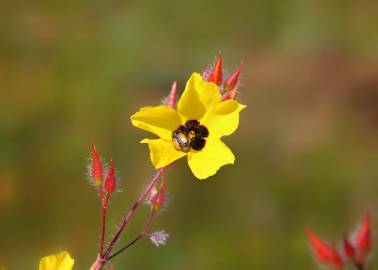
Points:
[(61, 261), (193, 130)]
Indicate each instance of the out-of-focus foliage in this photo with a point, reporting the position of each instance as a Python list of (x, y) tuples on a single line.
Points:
[(72, 72)]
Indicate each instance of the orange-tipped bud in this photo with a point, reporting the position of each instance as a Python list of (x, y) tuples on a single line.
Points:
[(110, 181), (216, 74), (233, 79), (172, 98), (96, 167), (362, 239), (348, 248), (324, 252), (157, 196)]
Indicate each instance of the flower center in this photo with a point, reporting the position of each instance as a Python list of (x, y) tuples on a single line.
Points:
[(190, 136)]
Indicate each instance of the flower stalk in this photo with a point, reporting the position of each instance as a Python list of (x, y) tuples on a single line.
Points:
[(102, 260), (103, 223), (139, 237), (133, 209)]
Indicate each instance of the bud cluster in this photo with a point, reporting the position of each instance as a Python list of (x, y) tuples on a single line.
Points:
[(228, 83), (103, 178), (354, 249)]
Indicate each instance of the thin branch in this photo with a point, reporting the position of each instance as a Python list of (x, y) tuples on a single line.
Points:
[(133, 209), (140, 236)]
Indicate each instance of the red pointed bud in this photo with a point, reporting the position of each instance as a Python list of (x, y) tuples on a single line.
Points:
[(233, 79), (152, 194), (110, 181), (216, 74), (161, 196), (157, 196), (325, 253), (362, 241), (172, 98), (96, 167), (348, 248), (231, 94)]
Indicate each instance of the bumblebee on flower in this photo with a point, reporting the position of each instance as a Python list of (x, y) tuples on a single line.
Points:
[(204, 114)]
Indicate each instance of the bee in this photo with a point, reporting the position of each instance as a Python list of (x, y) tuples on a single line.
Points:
[(181, 141)]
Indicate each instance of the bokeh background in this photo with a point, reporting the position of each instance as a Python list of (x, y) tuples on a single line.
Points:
[(72, 72)]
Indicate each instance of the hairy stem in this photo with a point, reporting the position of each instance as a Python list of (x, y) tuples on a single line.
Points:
[(126, 219), (140, 236)]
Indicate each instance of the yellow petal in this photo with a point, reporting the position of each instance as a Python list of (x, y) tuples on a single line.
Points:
[(206, 162), (160, 120), (61, 261), (162, 152), (223, 119), (198, 96)]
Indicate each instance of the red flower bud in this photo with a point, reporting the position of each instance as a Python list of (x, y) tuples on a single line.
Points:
[(231, 94), (216, 74), (152, 194), (110, 181), (96, 167), (160, 198), (362, 241), (324, 252), (172, 98), (233, 79), (157, 196), (348, 248)]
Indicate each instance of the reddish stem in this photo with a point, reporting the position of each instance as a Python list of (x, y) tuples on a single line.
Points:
[(133, 209), (104, 208), (101, 260), (140, 236), (101, 194)]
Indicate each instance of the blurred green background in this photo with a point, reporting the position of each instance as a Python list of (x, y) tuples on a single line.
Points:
[(72, 72)]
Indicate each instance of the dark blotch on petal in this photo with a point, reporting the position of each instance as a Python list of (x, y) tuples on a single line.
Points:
[(192, 131), (192, 124), (198, 143), (202, 131)]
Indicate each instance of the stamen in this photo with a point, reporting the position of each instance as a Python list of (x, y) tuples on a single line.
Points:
[(192, 134)]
